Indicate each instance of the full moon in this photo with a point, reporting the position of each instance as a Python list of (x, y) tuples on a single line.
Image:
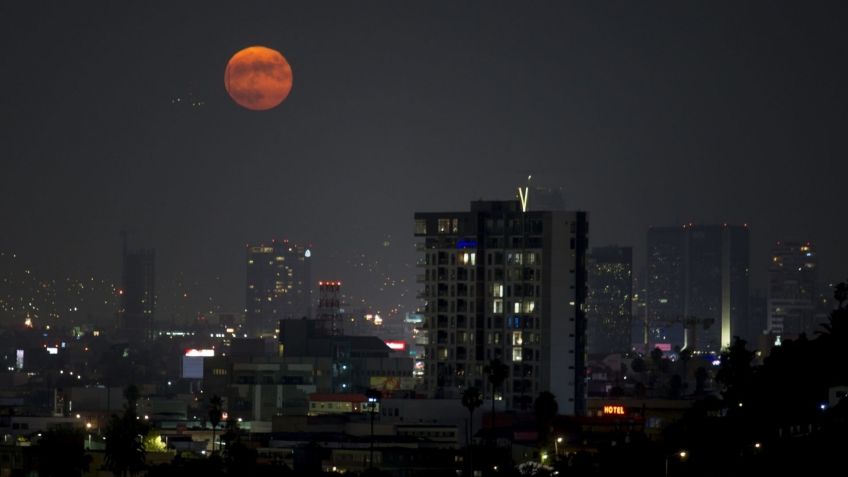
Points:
[(258, 78)]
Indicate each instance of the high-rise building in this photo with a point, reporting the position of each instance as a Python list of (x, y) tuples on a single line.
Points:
[(792, 289), (503, 283), (138, 294), (330, 313), (279, 285), (698, 285), (609, 299)]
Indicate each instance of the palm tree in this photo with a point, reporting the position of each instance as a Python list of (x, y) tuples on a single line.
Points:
[(497, 373), (685, 357), (546, 408), (215, 414), (472, 398), (124, 438)]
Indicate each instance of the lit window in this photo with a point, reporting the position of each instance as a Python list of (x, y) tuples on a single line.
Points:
[(517, 339), (420, 227), (497, 306), (473, 258), (444, 226), (516, 307), (516, 353), (529, 306), (497, 290)]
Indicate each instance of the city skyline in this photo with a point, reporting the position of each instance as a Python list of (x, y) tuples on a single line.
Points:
[(630, 126)]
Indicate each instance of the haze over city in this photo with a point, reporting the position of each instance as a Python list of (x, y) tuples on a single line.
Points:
[(645, 114), (422, 238)]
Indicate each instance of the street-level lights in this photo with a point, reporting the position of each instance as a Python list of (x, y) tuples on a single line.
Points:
[(682, 455), (557, 442)]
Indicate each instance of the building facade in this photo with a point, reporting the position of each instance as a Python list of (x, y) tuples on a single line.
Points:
[(138, 294), (330, 311), (500, 282), (609, 299), (279, 285), (698, 279), (792, 292)]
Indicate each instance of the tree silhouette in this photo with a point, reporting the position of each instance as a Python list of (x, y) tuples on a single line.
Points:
[(61, 452), (685, 356), (735, 374), (545, 408), (215, 415), (638, 365), (238, 457), (472, 398), (125, 438), (496, 372), (701, 376)]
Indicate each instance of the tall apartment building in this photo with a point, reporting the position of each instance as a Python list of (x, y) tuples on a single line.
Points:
[(503, 283), (609, 301), (792, 289), (137, 296), (698, 278), (279, 285)]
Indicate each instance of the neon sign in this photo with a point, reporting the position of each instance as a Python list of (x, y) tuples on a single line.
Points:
[(614, 410)]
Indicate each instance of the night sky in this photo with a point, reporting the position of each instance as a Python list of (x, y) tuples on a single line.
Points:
[(646, 113)]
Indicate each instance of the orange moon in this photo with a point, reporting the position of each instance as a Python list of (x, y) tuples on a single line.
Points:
[(258, 78)]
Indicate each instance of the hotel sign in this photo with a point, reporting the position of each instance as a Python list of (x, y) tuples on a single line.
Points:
[(614, 410)]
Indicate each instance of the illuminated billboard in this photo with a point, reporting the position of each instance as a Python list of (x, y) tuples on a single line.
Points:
[(192, 367), (396, 345), (203, 353)]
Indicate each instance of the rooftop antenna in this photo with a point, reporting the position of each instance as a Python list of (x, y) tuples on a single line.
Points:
[(524, 194)]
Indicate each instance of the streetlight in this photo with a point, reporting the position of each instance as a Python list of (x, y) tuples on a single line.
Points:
[(373, 396), (557, 442), (682, 455)]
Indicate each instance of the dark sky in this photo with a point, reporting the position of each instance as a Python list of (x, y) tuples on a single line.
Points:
[(645, 113)]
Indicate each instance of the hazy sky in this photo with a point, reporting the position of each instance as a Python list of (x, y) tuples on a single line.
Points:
[(646, 113)]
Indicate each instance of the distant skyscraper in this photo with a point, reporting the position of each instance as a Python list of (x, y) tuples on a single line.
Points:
[(279, 285), (698, 285), (138, 294), (609, 299), (330, 313), (757, 315), (792, 297), (502, 283)]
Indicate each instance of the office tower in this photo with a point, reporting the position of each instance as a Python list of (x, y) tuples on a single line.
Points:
[(502, 283), (279, 285), (330, 306), (757, 315), (609, 299), (698, 285), (138, 294), (792, 289)]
